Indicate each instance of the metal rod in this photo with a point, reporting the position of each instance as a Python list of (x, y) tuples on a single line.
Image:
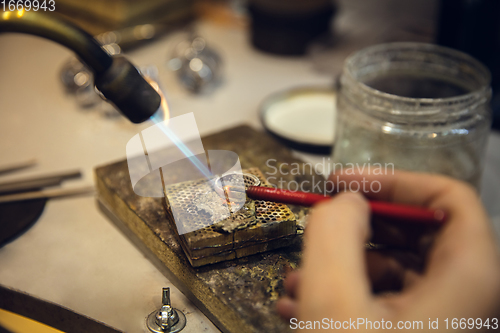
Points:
[(34, 183), (17, 166), (166, 296), (47, 194)]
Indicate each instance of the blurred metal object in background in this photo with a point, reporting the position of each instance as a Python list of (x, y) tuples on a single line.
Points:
[(78, 80), (134, 36), (197, 65), (98, 16)]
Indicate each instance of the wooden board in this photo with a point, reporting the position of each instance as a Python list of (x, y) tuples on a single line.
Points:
[(239, 296)]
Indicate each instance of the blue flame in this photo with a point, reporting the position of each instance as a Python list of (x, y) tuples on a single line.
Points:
[(157, 118)]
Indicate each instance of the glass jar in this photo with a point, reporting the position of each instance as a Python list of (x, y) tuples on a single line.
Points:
[(419, 107)]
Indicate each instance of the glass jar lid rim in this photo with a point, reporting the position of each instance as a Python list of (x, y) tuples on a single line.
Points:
[(483, 89)]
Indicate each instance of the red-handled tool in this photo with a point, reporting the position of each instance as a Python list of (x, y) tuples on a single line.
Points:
[(382, 209)]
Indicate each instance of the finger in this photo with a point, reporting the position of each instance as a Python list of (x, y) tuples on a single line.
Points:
[(333, 276), (291, 283), (385, 273), (397, 234), (458, 199), (391, 270), (287, 308), (463, 265), (398, 186), (411, 278)]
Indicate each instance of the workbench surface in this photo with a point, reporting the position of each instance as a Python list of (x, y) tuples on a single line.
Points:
[(73, 255)]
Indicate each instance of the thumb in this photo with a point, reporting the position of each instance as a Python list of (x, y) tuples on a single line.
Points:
[(334, 277)]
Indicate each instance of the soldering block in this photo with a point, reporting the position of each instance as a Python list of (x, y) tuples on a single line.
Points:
[(274, 225)]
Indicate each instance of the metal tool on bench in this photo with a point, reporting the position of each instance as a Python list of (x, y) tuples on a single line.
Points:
[(166, 319), (22, 200)]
